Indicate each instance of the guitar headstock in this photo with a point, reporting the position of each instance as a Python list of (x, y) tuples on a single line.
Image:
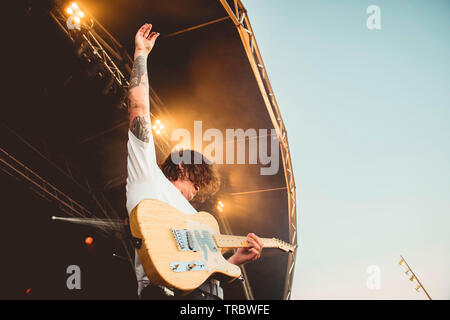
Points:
[(286, 247)]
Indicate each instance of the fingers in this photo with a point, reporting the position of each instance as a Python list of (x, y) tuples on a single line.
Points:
[(255, 238), (142, 30), (147, 30), (255, 242), (255, 253), (153, 36)]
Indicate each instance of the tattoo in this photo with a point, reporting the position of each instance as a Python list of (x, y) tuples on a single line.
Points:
[(141, 128), (139, 70)]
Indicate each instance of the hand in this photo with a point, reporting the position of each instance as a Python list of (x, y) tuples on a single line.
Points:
[(144, 39), (244, 255)]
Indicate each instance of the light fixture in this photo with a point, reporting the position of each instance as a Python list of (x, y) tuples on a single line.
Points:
[(75, 14), (158, 126)]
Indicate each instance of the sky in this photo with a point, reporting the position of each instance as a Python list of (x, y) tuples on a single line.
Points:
[(367, 113)]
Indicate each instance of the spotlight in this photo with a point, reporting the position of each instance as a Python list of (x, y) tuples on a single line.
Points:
[(80, 14), (220, 206), (75, 6), (158, 126), (69, 10), (89, 241), (77, 19)]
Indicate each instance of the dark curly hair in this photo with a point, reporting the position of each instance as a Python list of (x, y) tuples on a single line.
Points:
[(197, 168)]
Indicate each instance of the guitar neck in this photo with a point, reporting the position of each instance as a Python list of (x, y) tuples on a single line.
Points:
[(227, 241)]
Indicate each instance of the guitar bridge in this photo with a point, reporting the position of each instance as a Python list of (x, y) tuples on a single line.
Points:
[(185, 240)]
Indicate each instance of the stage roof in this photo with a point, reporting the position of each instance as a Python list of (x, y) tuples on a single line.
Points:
[(202, 74)]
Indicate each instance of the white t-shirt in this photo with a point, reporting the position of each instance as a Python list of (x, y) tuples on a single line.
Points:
[(146, 181)]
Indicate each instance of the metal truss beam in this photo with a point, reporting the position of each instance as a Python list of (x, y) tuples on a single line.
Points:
[(46, 190), (96, 46), (245, 282), (195, 27), (242, 23)]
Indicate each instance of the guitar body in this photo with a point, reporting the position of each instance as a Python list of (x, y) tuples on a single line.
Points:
[(178, 250)]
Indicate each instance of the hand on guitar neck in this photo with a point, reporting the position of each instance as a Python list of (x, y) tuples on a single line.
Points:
[(247, 254)]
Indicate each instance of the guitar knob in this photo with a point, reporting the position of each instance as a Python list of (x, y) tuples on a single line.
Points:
[(191, 266)]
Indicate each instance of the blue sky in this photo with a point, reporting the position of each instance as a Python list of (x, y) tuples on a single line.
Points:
[(367, 114)]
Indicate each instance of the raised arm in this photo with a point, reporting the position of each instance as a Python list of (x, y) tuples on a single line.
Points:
[(138, 92)]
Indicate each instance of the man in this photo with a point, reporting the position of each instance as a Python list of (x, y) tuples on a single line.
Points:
[(173, 183)]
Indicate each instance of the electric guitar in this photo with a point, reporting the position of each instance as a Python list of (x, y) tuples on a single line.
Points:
[(182, 251)]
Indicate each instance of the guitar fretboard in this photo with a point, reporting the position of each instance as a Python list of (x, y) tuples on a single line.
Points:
[(228, 241)]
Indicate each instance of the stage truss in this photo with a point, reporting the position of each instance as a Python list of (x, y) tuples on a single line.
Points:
[(239, 16)]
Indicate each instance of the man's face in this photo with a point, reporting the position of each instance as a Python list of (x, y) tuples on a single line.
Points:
[(187, 188)]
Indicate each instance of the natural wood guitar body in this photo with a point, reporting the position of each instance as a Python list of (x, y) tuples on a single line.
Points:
[(153, 221), (182, 251)]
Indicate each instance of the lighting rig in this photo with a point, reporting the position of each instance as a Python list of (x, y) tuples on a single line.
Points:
[(412, 276), (96, 46), (107, 59)]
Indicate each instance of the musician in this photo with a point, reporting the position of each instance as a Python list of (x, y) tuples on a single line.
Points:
[(173, 183)]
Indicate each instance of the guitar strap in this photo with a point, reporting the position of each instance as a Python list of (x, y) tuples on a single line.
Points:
[(137, 242)]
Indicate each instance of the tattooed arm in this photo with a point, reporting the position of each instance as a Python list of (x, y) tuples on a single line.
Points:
[(138, 92)]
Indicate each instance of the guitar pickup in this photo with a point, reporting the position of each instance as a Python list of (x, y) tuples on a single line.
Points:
[(185, 240)]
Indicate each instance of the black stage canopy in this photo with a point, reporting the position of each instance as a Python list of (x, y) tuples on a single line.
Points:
[(63, 122)]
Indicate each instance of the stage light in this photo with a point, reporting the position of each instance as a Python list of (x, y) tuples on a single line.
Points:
[(89, 241), (412, 277), (80, 14), (28, 291), (158, 126), (75, 6), (77, 19), (220, 206), (69, 10)]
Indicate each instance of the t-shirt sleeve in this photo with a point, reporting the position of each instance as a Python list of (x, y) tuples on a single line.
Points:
[(141, 162)]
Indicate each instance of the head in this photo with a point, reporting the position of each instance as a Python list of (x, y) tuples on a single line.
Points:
[(191, 173)]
